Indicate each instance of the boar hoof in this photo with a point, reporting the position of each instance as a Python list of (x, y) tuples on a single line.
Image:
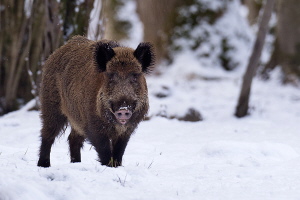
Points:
[(44, 163), (114, 163)]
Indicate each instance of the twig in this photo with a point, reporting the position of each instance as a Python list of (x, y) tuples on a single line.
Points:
[(26, 152), (150, 164), (122, 182)]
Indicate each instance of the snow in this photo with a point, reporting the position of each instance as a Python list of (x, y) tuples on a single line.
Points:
[(231, 31), (221, 157)]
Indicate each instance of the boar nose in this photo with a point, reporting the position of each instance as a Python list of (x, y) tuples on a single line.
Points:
[(123, 116)]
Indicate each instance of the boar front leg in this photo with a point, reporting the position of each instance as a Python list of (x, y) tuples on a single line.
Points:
[(102, 146), (119, 149), (75, 143)]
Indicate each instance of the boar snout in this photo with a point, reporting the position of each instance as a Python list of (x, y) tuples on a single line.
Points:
[(123, 110), (123, 115)]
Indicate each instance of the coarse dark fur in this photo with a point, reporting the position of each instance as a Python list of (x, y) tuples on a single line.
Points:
[(84, 83)]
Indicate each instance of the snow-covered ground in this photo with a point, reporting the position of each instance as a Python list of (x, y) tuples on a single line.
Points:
[(222, 157)]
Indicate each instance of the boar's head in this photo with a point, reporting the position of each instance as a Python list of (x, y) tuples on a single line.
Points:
[(123, 95)]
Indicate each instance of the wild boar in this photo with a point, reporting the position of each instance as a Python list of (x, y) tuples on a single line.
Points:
[(99, 89)]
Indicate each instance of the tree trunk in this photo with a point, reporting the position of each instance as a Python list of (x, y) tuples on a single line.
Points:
[(97, 23), (288, 37), (158, 18), (75, 15), (287, 44), (243, 102), (14, 49), (253, 10), (28, 37)]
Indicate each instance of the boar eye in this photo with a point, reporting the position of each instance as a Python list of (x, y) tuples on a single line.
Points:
[(111, 76), (134, 77)]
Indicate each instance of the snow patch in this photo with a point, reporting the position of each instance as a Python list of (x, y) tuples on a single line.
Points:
[(240, 151)]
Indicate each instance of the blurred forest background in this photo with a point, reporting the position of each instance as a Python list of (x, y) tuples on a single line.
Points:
[(30, 30)]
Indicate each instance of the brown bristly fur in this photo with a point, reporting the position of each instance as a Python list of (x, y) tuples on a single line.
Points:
[(83, 84)]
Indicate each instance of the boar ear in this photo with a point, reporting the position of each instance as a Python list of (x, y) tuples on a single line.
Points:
[(145, 55), (103, 53)]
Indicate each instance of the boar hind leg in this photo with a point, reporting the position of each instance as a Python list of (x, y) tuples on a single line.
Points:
[(53, 124), (119, 149), (75, 143)]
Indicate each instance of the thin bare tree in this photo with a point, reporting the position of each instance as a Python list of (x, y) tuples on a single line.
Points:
[(29, 32), (243, 102)]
